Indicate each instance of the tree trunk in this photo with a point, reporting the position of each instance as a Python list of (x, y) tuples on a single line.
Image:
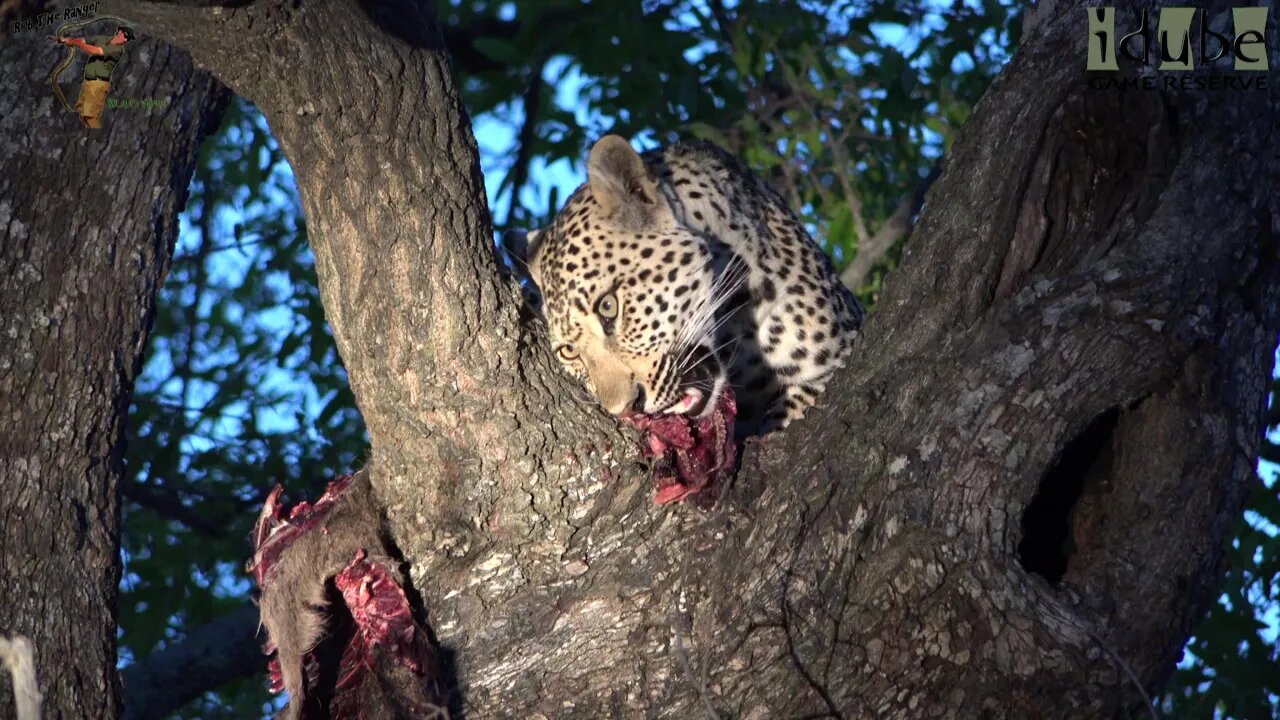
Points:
[(87, 223), (1012, 499)]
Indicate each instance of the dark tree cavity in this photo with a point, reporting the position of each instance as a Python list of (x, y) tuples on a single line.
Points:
[(1047, 544)]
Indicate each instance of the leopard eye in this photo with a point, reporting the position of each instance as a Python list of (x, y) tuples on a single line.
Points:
[(567, 352), (607, 307)]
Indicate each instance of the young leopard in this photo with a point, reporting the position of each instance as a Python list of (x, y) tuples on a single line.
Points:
[(672, 274)]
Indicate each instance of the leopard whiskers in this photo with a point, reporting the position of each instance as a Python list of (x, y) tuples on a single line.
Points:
[(708, 317), (703, 315)]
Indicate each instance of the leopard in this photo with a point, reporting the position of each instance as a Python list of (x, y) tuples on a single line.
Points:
[(672, 275)]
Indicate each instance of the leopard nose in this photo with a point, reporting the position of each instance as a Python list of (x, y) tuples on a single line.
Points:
[(637, 405)]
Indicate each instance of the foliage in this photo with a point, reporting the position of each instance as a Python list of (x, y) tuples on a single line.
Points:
[(242, 388), (1232, 664), (844, 106)]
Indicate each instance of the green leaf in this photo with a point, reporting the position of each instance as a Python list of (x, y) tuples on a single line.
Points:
[(497, 49)]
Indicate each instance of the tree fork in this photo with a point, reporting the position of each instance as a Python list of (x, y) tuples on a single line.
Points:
[(1093, 276)]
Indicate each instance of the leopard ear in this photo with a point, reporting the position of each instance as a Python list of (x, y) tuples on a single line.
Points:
[(619, 179)]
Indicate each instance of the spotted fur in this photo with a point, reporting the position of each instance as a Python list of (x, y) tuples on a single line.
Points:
[(679, 269)]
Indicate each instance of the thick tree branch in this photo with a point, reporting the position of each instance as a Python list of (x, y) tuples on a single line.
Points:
[(207, 658), (168, 503), (81, 262), (1090, 287)]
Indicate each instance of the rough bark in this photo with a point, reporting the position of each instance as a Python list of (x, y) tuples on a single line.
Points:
[(1018, 487), (87, 221)]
